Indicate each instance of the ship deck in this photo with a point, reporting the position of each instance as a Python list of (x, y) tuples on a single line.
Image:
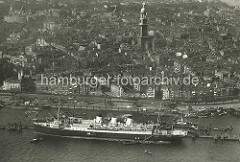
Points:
[(85, 127)]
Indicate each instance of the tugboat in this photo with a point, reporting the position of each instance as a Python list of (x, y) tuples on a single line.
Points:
[(115, 130)]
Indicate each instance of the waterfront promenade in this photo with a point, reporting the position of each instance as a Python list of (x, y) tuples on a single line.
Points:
[(19, 101)]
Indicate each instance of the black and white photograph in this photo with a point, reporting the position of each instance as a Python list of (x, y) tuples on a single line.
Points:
[(119, 80)]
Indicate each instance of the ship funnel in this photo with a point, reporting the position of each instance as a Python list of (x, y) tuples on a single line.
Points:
[(113, 121), (98, 120), (129, 122)]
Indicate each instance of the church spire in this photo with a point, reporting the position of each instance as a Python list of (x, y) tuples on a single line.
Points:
[(143, 34), (143, 11)]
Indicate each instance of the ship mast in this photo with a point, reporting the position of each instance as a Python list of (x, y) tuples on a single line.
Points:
[(58, 113)]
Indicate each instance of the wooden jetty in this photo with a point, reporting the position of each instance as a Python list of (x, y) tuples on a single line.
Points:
[(223, 138)]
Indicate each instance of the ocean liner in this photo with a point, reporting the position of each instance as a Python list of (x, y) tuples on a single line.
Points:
[(113, 130)]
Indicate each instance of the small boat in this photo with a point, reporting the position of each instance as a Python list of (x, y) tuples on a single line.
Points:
[(126, 116), (14, 127), (223, 113), (2, 127), (35, 140), (129, 142), (155, 142), (148, 152), (194, 137), (203, 116), (223, 129), (37, 108)]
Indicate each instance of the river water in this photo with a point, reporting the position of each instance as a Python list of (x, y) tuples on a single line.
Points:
[(16, 147)]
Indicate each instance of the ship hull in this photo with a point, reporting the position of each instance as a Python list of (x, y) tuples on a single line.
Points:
[(105, 135)]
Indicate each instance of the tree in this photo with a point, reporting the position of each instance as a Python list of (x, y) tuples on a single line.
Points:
[(6, 70), (28, 85)]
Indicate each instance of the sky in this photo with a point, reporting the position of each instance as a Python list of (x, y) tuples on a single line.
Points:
[(232, 2)]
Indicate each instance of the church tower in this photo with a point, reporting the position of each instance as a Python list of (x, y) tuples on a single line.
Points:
[(143, 35)]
